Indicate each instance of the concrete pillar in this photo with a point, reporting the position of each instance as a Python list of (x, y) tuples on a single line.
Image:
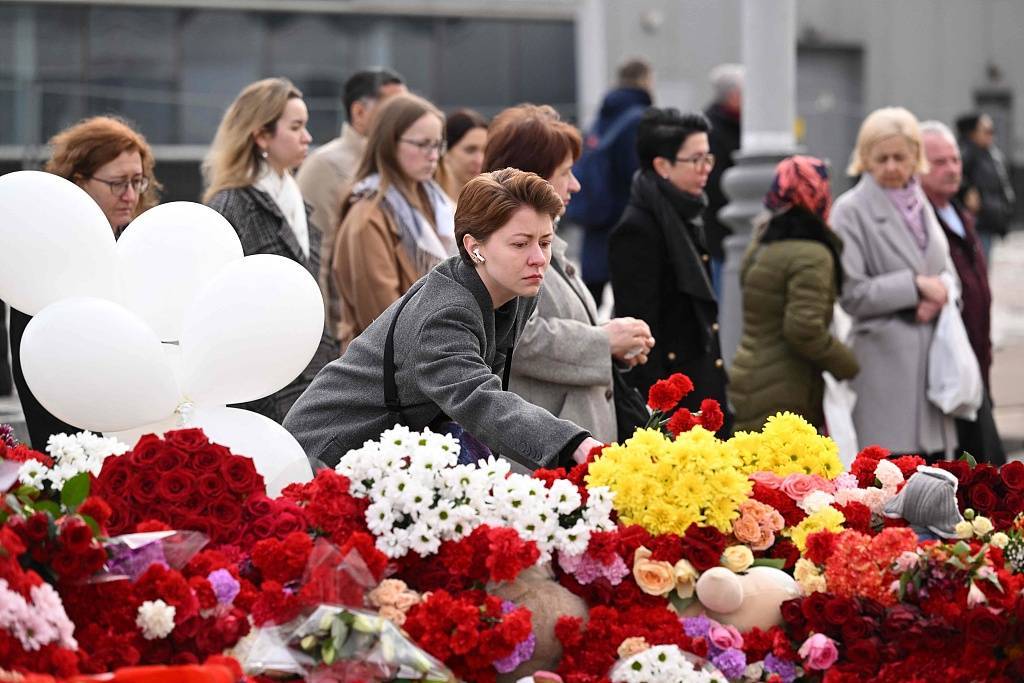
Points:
[(591, 59), (769, 111)]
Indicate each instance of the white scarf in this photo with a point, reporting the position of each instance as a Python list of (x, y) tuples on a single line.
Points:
[(286, 194)]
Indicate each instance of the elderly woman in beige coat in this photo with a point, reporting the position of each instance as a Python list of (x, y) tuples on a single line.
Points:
[(563, 360), (898, 269)]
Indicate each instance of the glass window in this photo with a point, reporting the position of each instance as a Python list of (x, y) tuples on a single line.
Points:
[(546, 71), (60, 61), (221, 53), (476, 64), (9, 86)]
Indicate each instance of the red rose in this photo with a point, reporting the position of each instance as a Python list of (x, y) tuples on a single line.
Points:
[(240, 474), (793, 613), (37, 527), (225, 513), (1012, 474), (814, 608), (176, 486), (211, 486), (983, 498), (289, 522), (114, 477), (146, 450), (857, 628), (187, 440), (262, 527), (209, 457), (258, 505), (144, 486), (838, 611), (76, 536), (898, 622), (983, 625), (863, 654), (170, 459)]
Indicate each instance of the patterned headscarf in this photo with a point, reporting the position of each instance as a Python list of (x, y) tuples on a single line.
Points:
[(800, 181)]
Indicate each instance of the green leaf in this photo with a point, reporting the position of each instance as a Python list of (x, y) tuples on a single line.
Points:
[(679, 603), (75, 491), (47, 506), (774, 562), (904, 580), (969, 459), (12, 502), (92, 524), (26, 493)]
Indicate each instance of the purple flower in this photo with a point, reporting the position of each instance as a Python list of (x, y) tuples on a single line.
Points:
[(732, 663), (586, 568), (697, 627), (7, 435), (523, 652), (132, 563), (785, 669), (225, 587)]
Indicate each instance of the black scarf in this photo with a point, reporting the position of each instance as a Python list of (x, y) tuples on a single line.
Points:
[(678, 214)]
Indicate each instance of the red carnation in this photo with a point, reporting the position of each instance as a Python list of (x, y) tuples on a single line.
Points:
[(96, 508), (682, 421), (820, 545), (858, 516), (711, 416), (665, 394)]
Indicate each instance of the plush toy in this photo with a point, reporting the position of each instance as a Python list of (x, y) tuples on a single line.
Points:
[(537, 589), (928, 502), (745, 600)]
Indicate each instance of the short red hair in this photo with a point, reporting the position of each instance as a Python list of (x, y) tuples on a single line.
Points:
[(531, 138)]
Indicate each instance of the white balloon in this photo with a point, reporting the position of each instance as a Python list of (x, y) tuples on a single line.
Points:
[(132, 436), (166, 255), (250, 331), (278, 457), (98, 366), (55, 243)]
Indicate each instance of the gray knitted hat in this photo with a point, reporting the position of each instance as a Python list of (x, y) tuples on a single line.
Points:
[(928, 501)]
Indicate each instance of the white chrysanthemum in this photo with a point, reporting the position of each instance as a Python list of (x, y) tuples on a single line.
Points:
[(423, 539), (33, 473), (155, 619), (380, 516), (565, 497)]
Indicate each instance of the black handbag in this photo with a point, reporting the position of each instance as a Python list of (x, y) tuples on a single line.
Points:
[(631, 411)]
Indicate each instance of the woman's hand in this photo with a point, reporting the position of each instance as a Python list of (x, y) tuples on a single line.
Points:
[(630, 340), (583, 450), (931, 288)]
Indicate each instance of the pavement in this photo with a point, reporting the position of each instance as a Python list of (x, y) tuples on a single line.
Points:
[(1007, 376)]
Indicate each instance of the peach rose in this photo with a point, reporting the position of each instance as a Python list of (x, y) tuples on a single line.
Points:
[(632, 646), (387, 592), (406, 600), (653, 577), (392, 614)]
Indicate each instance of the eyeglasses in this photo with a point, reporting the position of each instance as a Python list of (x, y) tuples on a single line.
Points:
[(118, 187), (428, 146), (698, 160)]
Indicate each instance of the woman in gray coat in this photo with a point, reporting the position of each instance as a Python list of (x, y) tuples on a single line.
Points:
[(897, 265), (448, 339), (564, 358)]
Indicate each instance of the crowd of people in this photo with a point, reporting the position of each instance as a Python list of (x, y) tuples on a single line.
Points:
[(451, 300)]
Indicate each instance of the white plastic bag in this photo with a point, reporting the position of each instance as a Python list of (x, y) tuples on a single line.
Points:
[(954, 378), (840, 398)]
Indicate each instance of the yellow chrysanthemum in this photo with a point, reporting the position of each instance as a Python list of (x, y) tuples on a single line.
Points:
[(666, 485), (826, 518), (788, 444)]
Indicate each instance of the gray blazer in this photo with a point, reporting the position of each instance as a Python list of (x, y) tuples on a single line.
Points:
[(563, 362), (881, 260), (449, 354)]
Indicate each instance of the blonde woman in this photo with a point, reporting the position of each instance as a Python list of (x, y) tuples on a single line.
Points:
[(397, 223), (248, 174), (896, 263)]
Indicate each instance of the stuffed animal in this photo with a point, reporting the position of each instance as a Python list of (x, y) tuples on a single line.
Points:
[(928, 502), (745, 600), (537, 589)]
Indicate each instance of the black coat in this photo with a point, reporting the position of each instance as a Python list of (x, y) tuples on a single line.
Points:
[(724, 139), (263, 229), (985, 171), (660, 274)]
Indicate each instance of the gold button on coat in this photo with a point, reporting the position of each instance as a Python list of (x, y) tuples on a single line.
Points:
[(719, 363), (671, 355)]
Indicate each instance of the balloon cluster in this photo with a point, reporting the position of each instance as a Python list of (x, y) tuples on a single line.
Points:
[(159, 329)]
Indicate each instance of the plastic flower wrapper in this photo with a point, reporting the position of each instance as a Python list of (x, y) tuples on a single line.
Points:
[(336, 579), (132, 554), (342, 644), (664, 663), (264, 653)]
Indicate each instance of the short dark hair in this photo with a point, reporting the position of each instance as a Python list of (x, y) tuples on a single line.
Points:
[(488, 201), (366, 83), (633, 73), (661, 132), (967, 124), (531, 138), (460, 122)]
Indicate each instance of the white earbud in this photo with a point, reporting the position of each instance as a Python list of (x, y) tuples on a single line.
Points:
[(479, 256)]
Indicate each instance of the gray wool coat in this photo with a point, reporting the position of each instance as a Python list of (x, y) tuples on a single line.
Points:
[(562, 361), (881, 260), (450, 347)]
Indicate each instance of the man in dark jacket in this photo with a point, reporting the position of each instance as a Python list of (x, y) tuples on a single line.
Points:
[(986, 184), (724, 116), (614, 137), (941, 183)]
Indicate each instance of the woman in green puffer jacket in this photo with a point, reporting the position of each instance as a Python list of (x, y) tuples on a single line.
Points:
[(791, 276)]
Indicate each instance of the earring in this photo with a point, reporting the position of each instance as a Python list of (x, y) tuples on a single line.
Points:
[(263, 154), (478, 256)]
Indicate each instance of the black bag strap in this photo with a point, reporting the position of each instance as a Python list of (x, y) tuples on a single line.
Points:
[(391, 401)]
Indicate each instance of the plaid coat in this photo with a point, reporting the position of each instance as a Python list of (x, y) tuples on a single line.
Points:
[(263, 229)]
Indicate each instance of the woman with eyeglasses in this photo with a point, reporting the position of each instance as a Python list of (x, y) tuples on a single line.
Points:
[(659, 260), (248, 172), (113, 163), (397, 223)]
